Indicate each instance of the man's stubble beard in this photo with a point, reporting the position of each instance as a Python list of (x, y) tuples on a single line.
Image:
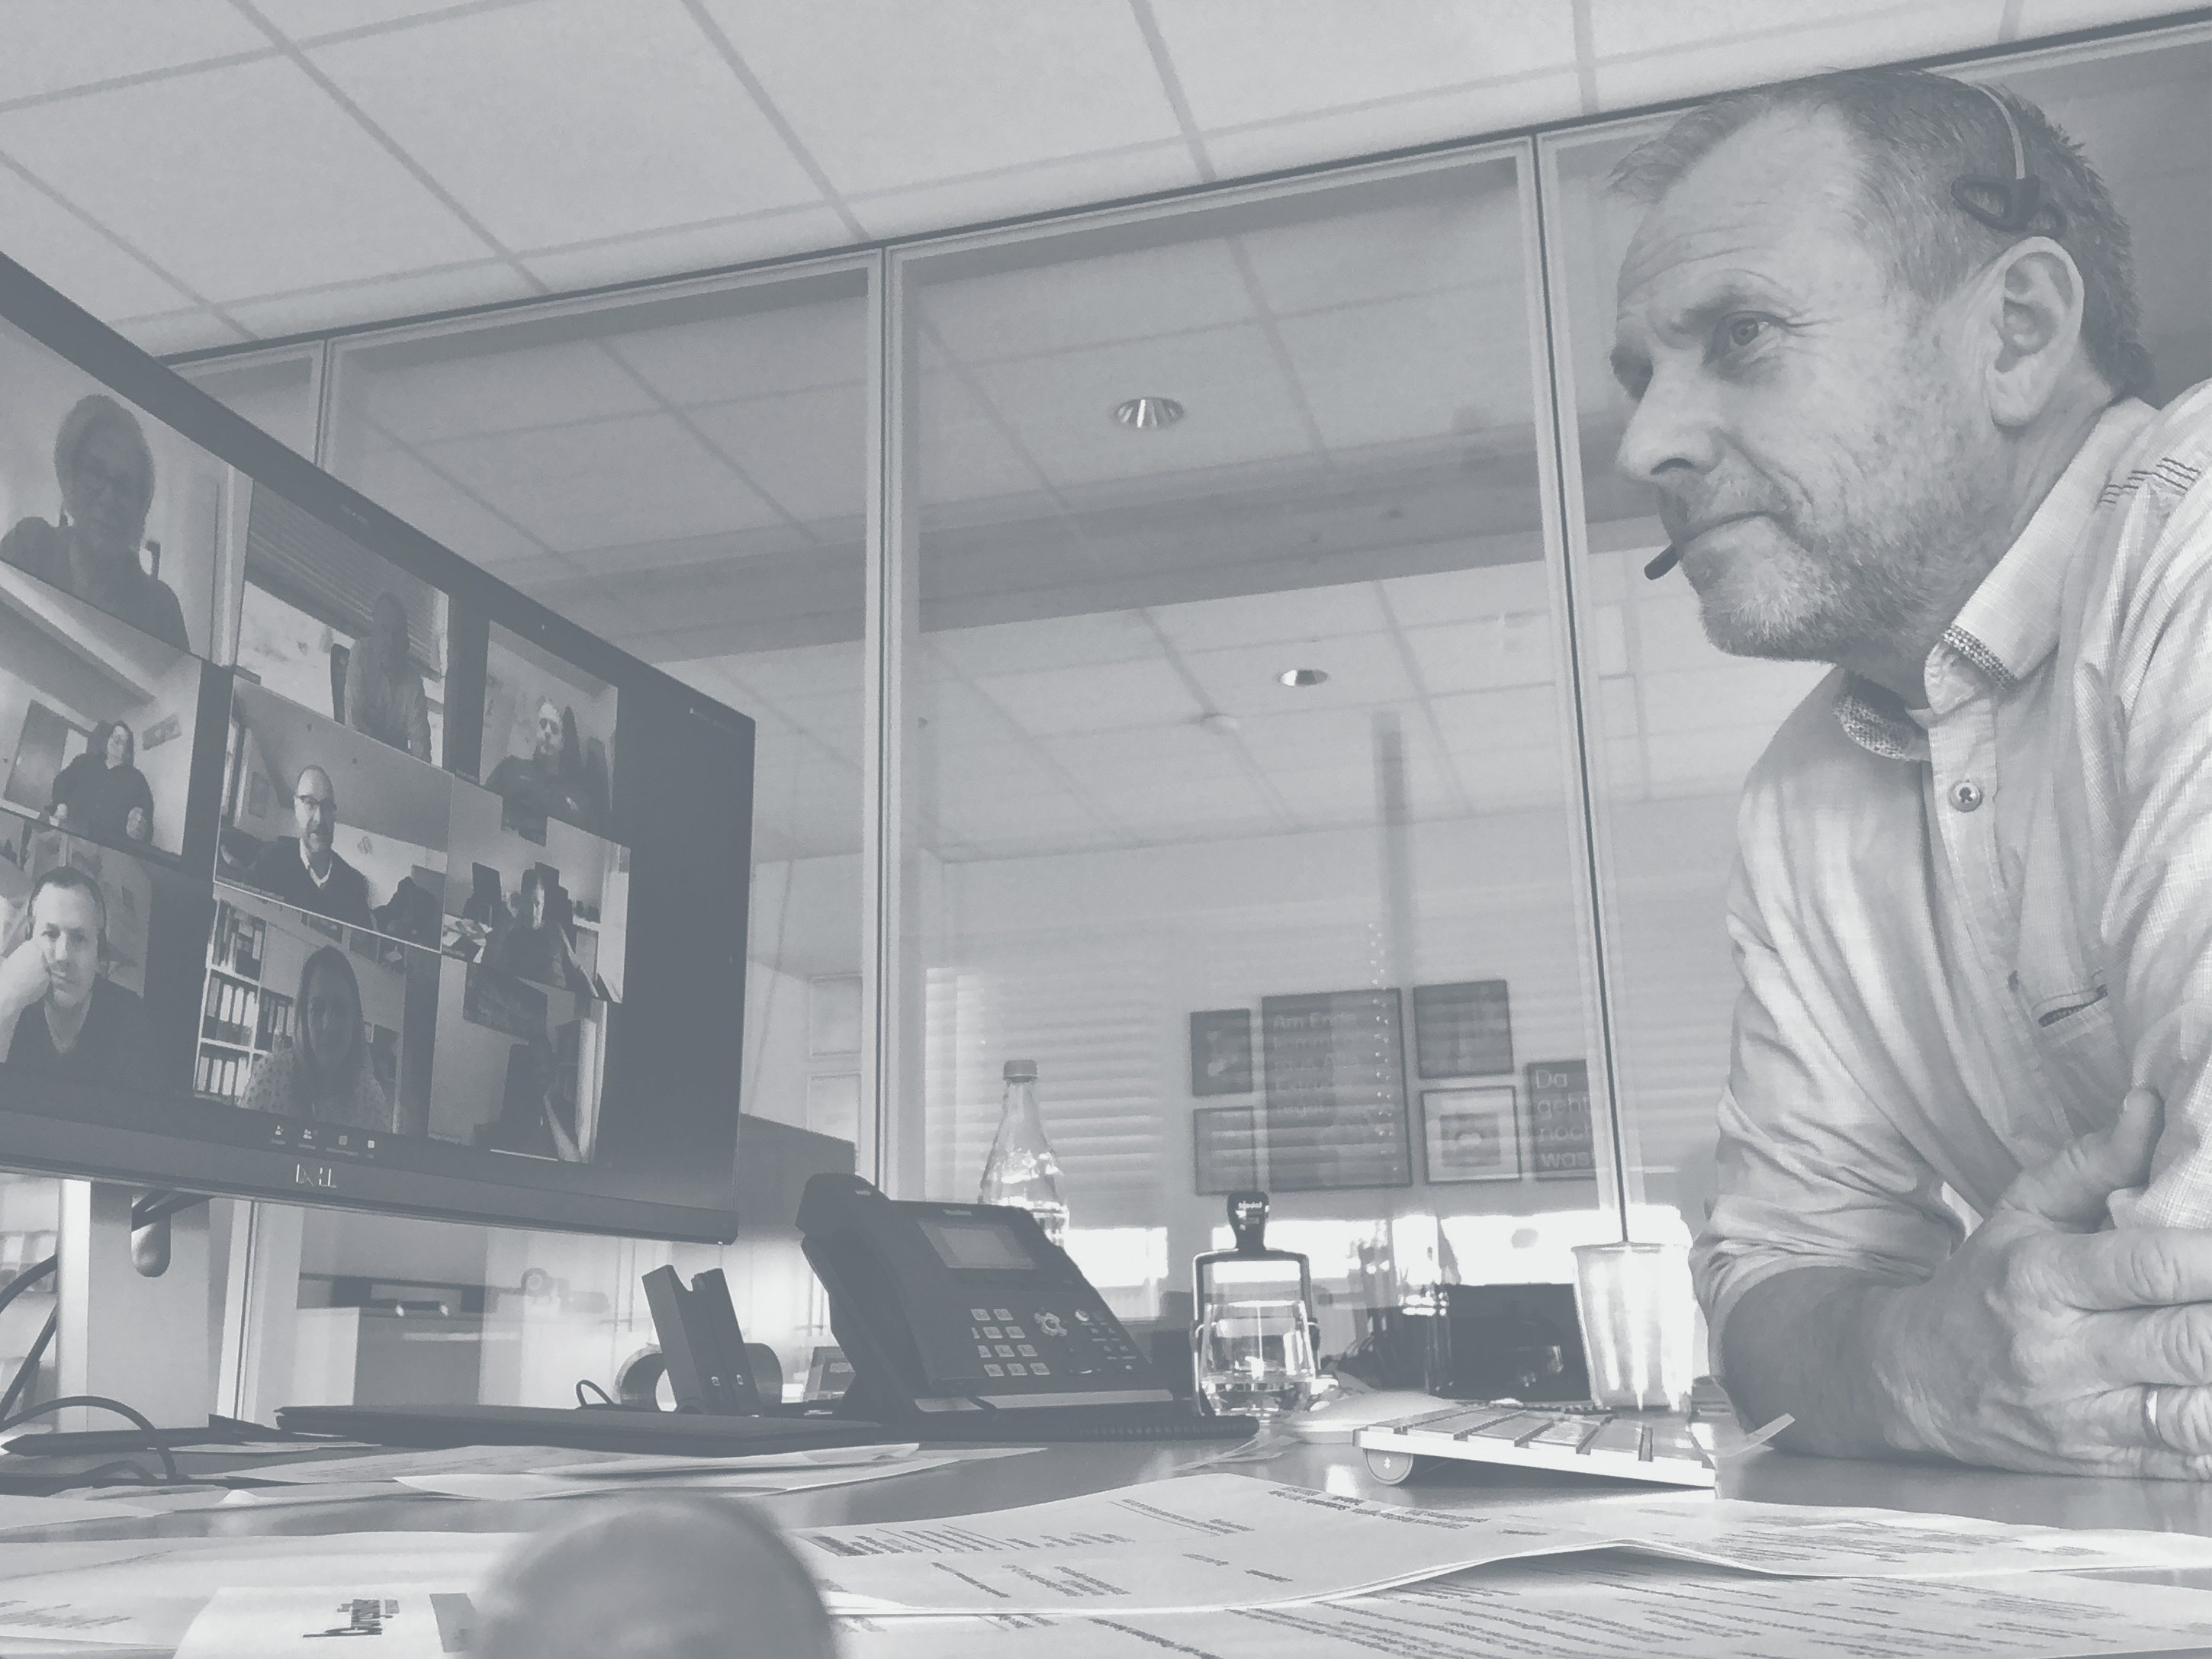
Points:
[(1909, 506)]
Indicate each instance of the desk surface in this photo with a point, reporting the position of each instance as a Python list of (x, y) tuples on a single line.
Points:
[(1062, 1471)]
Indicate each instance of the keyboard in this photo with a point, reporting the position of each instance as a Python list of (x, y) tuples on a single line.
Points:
[(1646, 1446)]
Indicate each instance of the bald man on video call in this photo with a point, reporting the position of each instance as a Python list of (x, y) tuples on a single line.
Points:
[(1880, 334)]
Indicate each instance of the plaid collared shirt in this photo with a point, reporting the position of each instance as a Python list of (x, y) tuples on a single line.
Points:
[(1964, 932)]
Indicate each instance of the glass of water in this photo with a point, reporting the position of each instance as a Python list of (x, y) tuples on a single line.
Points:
[(1255, 1357)]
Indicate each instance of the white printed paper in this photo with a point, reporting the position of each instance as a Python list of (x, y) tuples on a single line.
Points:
[(399, 1622), (1608, 1609), (821, 1457), (109, 1573), (390, 1466), (1212, 1540), (17, 1510), (765, 1483), (1222, 1541)]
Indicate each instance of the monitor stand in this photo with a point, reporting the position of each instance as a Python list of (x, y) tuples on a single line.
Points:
[(134, 1307)]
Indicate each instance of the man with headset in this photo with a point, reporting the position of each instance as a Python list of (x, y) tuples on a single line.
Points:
[(1879, 332), (62, 1016)]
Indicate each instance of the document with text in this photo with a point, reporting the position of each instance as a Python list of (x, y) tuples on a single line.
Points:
[(1221, 1540), (1610, 1606)]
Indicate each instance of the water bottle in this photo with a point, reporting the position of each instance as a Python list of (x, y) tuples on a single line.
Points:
[(1022, 1170)]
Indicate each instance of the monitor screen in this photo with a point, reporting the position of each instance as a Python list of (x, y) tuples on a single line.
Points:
[(331, 869)]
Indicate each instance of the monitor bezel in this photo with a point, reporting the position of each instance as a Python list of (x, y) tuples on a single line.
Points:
[(58, 1145)]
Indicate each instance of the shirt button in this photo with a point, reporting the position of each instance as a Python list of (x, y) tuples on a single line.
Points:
[(1966, 796)]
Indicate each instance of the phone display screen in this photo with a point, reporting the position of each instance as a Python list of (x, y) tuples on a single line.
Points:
[(979, 1245)]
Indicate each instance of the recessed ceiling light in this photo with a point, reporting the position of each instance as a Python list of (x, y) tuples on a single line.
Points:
[(1302, 677), (1143, 413)]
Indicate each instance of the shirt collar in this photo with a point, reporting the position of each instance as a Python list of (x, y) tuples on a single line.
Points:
[(2009, 623), (323, 880)]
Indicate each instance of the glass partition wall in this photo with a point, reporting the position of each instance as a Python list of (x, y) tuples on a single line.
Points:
[(1237, 784), (1202, 650)]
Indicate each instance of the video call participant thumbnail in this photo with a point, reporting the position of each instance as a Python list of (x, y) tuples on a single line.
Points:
[(384, 694), (63, 1018), (102, 793), (325, 1075), (306, 869), (106, 471)]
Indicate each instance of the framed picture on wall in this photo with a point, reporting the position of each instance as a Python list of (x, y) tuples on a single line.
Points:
[(1472, 1134), (1221, 1052), (1336, 1090), (1226, 1147), (1462, 1030)]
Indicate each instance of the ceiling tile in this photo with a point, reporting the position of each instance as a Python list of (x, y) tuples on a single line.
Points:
[(1364, 671), (303, 20), (1685, 62), (772, 233), (1475, 725), (1468, 595), (790, 349), (1511, 649), (1442, 117), (806, 450), (58, 44), (1472, 238), (1094, 699), (1024, 186), (966, 456), (402, 484), (1048, 643), (886, 95), (1242, 61), (571, 119), (1307, 613), (1240, 405), (424, 399), (384, 298), (1402, 370), (1100, 697), (168, 332), (1119, 766), (241, 200), (54, 243), (1036, 310)]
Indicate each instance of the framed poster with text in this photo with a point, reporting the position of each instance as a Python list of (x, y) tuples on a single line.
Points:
[(1336, 1090), (1559, 1120)]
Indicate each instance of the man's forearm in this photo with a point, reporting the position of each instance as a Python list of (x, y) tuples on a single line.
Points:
[(1810, 1343)]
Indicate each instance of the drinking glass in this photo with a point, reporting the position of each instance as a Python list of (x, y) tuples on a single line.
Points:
[(1255, 1357)]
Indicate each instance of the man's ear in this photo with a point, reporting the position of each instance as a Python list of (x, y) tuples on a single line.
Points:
[(2031, 306)]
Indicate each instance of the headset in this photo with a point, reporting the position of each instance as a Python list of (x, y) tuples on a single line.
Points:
[(2018, 206)]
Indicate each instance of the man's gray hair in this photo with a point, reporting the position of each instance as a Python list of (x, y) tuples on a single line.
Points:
[(1916, 134)]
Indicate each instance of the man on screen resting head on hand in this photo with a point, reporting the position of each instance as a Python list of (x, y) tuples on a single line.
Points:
[(1898, 431), (60, 1017), (306, 869)]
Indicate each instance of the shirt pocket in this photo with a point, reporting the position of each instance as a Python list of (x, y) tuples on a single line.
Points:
[(2079, 1040)]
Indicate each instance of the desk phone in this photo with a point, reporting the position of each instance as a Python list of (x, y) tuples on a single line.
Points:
[(966, 1316)]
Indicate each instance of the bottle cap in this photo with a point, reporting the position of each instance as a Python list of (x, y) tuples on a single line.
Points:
[(1021, 1071)]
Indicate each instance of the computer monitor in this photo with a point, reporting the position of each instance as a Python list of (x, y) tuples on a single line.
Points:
[(333, 870)]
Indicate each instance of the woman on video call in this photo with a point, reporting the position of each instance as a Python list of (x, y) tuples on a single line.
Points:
[(102, 793), (106, 471), (325, 1074)]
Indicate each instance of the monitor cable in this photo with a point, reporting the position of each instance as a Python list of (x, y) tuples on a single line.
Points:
[(170, 1473), (26, 1378)]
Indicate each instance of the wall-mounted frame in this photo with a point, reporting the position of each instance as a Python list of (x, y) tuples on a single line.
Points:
[(1336, 1090), (1226, 1152), (1462, 1030), (1559, 1125), (1221, 1052), (1471, 1134)]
